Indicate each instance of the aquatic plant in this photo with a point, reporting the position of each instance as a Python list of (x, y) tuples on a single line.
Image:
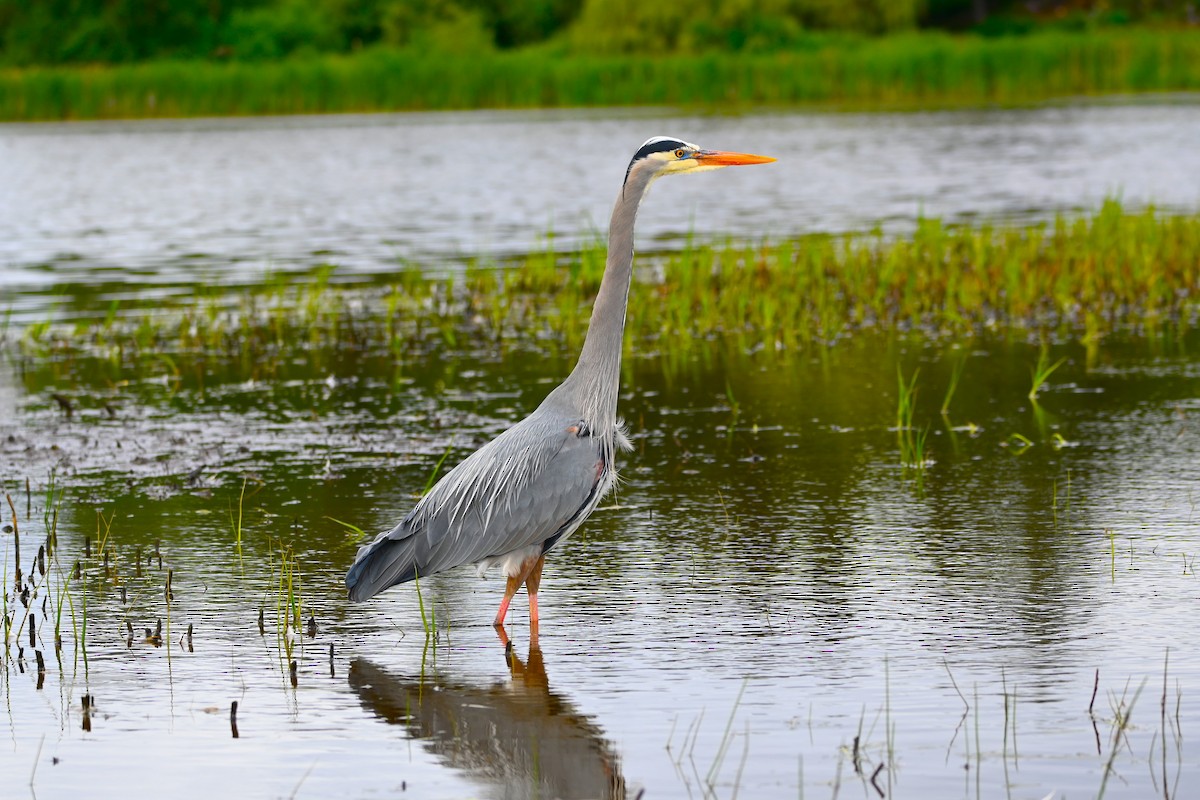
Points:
[(910, 440), (1122, 717), (428, 623), (236, 525), (955, 376), (436, 469), (1042, 370), (1076, 277), (353, 532), (285, 586)]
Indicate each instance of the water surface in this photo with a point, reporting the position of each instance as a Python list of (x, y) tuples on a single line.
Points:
[(133, 208), (767, 585), (774, 603)]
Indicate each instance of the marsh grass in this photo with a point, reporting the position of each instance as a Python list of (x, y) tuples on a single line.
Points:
[(896, 72), (710, 778), (353, 532), (1122, 710), (428, 621), (1042, 370), (911, 440), (436, 469), (286, 591), (1075, 277), (236, 525), (1169, 723), (956, 374)]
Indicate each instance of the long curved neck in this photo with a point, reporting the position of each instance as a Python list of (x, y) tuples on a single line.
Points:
[(596, 379)]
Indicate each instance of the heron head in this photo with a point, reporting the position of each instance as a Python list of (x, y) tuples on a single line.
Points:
[(666, 155)]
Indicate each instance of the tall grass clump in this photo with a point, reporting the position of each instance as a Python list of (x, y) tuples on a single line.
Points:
[(910, 439), (898, 71)]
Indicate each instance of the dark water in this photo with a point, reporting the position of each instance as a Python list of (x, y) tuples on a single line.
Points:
[(768, 584), (773, 605)]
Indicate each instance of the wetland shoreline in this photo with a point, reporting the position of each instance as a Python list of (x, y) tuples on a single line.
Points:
[(897, 72), (1080, 277)]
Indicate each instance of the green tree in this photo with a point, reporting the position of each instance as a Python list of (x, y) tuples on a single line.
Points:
[(637, 26), (281, 29), (440, 25), (59, 31)]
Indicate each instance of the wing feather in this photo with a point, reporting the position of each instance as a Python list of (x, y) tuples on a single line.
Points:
[(522, 488)]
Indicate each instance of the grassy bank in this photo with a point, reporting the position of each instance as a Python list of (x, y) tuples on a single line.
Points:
[(903, 71), (1078, 278)]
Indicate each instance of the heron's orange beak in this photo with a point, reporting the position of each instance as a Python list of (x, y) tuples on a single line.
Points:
[(721, 158)]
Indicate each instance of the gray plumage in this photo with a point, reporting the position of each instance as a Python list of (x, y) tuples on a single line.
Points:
[(527, 490)]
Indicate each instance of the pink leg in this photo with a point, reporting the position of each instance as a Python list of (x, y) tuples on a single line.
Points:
[(532, 581), (531, 576), (509, 590)]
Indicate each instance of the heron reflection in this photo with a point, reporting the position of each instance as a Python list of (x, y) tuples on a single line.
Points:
[(518, 736)]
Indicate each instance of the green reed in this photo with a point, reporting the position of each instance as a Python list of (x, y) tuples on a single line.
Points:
[(900, 71), (1041, 371), (1077, 277), (428, 622), (236, 525), (952, 387), (911, 441), (286, 585)]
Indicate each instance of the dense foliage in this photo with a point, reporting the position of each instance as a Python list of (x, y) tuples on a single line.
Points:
[(43, 32), (902, 71)]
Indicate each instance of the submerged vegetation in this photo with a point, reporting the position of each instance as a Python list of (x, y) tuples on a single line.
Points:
[(1079, 278), (915, 70)]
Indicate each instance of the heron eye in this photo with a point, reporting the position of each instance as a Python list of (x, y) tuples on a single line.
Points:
[(680, 153)]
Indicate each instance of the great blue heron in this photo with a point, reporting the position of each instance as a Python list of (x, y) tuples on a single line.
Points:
[(524, 492)]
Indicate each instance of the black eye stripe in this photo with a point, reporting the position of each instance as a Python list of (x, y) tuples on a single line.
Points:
[(661, 146), (658, 146)]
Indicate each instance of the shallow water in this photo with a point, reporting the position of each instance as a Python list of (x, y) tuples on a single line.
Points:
[(767, 585), (772, 605)]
